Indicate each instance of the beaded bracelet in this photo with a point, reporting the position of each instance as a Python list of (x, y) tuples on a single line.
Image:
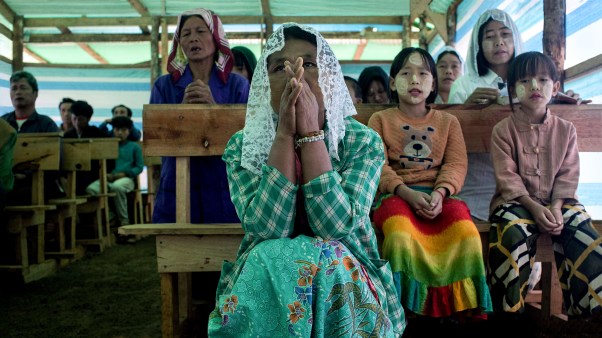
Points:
[(314, 136)]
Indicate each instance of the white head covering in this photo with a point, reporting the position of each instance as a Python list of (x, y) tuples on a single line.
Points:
[(261, 119), (447, 48), (473, 48)]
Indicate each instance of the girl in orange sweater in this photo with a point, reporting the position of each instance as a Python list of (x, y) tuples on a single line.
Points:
[(430, 240)]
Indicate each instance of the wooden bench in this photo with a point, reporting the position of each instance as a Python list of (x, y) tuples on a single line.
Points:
[(75, 156), (202, 130), (153, 172), (23, 235), (101, 150)]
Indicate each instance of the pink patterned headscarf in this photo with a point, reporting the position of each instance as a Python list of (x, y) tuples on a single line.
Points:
[(176, 62)]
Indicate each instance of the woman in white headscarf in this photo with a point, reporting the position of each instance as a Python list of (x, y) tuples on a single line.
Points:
[(494, 44), (302, 175), (450, 67)]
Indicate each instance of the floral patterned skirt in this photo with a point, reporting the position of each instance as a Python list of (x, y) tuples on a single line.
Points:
[(300, 287)]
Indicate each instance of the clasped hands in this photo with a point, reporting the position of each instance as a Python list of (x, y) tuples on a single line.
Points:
[(424, 205), (548, 220), (198, 92), (298, 109)]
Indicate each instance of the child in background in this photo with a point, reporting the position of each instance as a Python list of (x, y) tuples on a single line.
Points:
[(354, 89), (121, 110), (128, 165), (374, 82), (429, 238), (244, 62), (536, 163)]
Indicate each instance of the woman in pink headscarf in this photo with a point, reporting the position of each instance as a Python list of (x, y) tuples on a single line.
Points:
[(200, 64)]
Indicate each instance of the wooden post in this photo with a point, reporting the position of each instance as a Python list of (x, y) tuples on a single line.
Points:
[(554, 34), (452, 20), (422, 39), (155, 66), (164, 45), (406, 35), (18, 43)]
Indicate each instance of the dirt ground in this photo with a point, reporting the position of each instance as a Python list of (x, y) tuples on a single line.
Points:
[(111, 294), (116, 294)]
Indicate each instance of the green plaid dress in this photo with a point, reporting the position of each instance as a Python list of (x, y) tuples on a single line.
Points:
[(333, 284)]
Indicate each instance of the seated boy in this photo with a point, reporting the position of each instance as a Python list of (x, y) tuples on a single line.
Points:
[(121, 110), (128, 165)]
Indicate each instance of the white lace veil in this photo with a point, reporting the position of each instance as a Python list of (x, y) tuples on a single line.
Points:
[(261, 119), (473, 48)]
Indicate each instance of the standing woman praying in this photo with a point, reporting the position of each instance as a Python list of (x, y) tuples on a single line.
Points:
[(199, 65)]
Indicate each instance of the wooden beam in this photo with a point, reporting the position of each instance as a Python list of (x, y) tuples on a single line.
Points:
[(237, 19), (584, 67), (18, 44), (6, 11), (268, 20), (142, 65), (554, 30), (155, 68), (34, 55), (93, 53), (86, 22), (360, 49), (66, 32), (6, 31), (452, 20), (406, 39), (56, 38), (139, 7), (165, 38)]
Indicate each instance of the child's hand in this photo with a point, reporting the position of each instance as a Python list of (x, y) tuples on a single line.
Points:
[(557, 213), (420, 202), (545, 220)]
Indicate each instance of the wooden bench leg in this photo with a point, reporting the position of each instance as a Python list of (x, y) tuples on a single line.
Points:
[(551, 293), (170, 321)]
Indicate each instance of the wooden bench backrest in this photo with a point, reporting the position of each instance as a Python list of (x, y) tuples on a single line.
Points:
[(42, 149), (76, 155), (202, 130)]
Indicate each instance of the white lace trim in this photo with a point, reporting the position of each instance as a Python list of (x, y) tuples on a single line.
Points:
[(261, 120)]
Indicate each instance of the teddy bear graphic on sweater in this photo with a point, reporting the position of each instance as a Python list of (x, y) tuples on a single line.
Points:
[(417, 145)]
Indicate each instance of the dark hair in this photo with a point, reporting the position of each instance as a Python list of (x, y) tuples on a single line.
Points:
[(370, 74), (445, 52), (402, 58), (244, 57), (528, 64), (66, 100), (25, 75), (82, 108), (296, 32), (356, 86), (482, 64), (121, 122), (129, 111)]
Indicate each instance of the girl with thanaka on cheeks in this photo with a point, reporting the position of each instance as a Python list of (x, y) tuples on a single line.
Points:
[(536, 162), (429, 238)]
